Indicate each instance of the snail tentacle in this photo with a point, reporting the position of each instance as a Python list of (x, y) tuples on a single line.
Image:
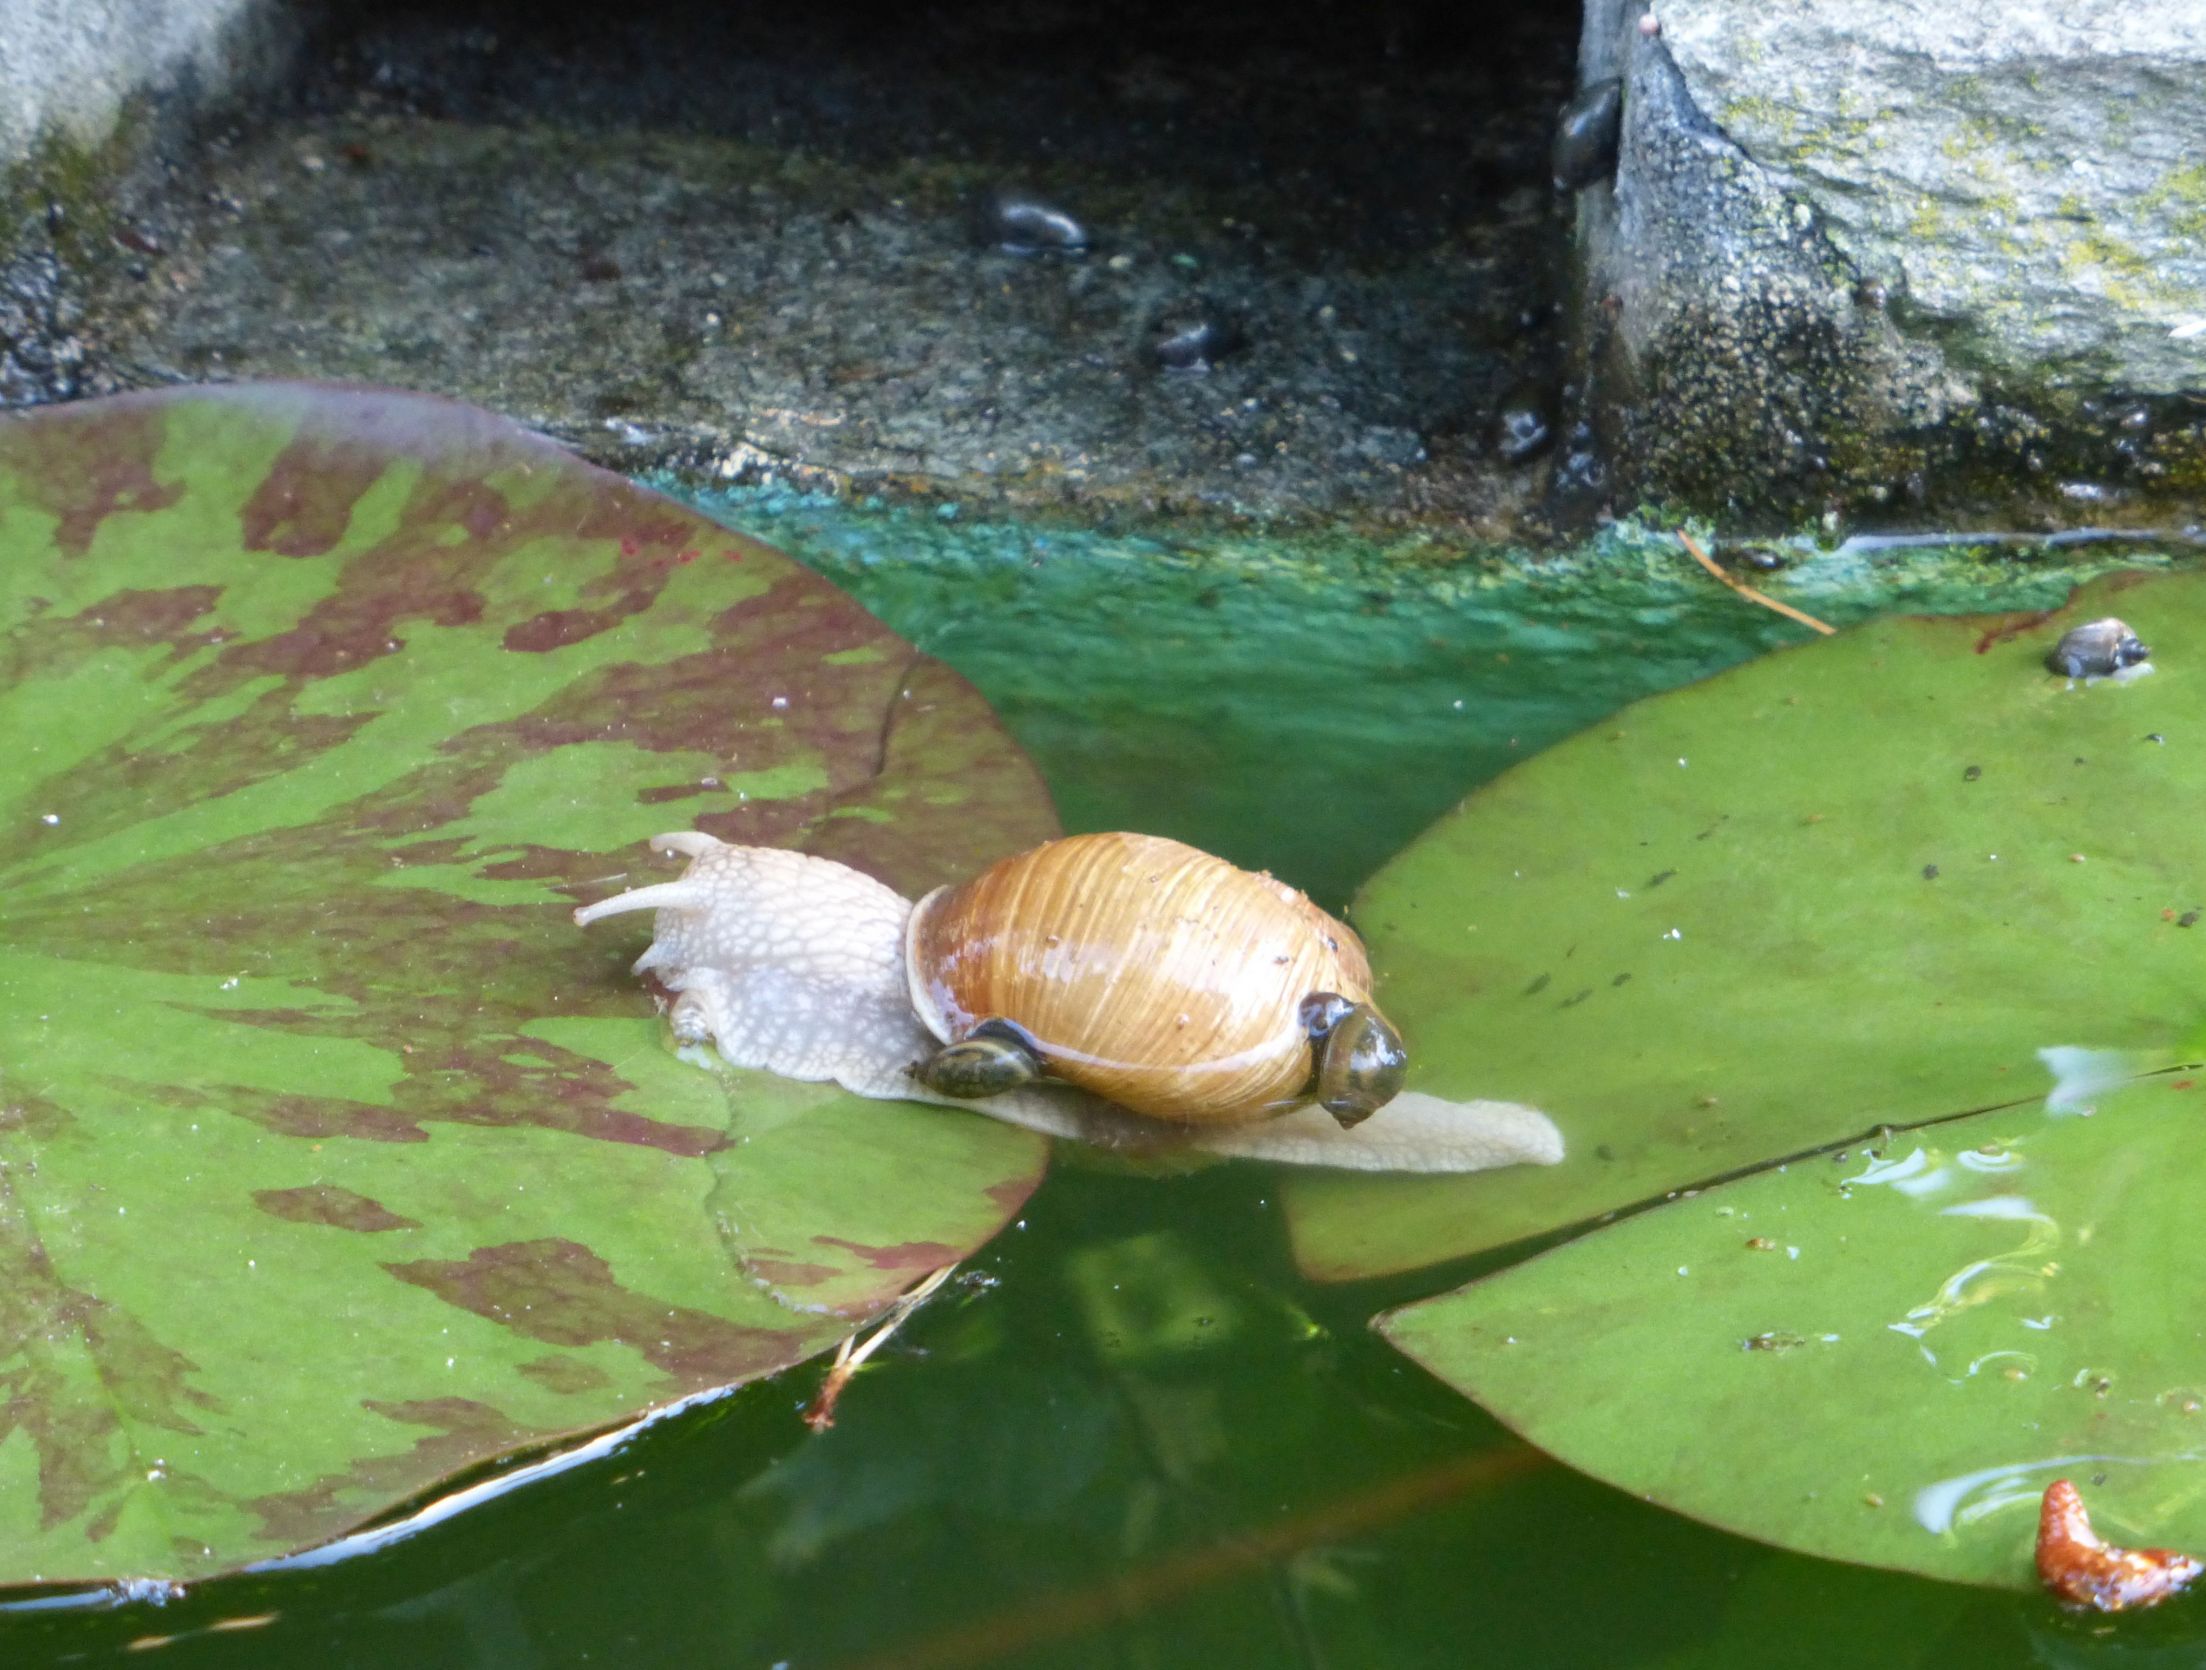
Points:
[(664, 895)]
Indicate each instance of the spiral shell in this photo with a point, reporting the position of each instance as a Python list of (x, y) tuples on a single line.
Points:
[(1157, 976)]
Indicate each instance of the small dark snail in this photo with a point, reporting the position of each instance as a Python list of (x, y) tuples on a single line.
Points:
[(1020, 225), (1123, 989), (1194, 337), (1586, 136), (1524, 423), (2098, 649)]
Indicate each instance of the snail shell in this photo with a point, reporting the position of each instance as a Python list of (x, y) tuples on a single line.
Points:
[(2099, 649), (1141, 969)]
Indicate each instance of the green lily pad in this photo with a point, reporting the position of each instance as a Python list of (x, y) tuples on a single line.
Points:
[(333, 1159), (1900, 932), (1859, 883), (1883, 1356)]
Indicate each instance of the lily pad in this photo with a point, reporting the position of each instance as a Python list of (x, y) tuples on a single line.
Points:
[(333, 1159), (1903, 928), (1859, 883), (1880, 1357)]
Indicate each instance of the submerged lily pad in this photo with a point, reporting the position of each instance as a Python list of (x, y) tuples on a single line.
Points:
[(1859, 883), (332, 1158)]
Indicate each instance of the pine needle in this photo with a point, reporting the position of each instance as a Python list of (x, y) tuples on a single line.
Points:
[(819, 1415), (1746, 591)]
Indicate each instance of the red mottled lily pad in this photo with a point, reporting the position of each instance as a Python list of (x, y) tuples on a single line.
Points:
[(333, 1158)]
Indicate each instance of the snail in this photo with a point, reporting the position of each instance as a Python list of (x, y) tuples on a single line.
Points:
[(1194, 336), (1120, 989), (1020, 225), (2100, 649), (1586, 135), (1154, 975)]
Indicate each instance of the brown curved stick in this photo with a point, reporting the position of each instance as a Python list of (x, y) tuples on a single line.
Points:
[(851, 1356), (1744, 590)]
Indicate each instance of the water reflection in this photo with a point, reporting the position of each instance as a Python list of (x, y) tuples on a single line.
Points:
[(2081, 1076), (2022, 1272), (1915, 1173), (1969, 1498)]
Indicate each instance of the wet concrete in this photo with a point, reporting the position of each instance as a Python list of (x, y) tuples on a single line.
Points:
[(744, 246)]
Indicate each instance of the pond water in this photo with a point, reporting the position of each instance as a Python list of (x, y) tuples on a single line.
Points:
[(1132, 1434)]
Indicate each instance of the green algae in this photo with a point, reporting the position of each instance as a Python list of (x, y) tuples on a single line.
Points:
[(1206, 681)]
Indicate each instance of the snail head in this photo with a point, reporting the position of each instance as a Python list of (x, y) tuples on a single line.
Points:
[(1360, 1059)]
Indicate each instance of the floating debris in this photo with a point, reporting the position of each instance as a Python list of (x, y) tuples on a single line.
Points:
[(1748, 592), (819, 1414), (2083, 1571)]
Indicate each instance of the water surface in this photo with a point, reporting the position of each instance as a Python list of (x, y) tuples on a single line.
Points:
[(1131, 1435)]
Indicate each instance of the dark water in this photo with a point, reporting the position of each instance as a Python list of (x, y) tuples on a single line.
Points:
[(1146, 1444), (1135, 1436)]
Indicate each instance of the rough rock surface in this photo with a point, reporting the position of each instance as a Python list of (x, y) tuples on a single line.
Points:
[(1815, 285), (745, 245), (68, 66), (1736, 359), (2025, 172), (92, 93)]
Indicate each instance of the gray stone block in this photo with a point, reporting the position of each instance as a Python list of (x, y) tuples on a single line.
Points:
[(68, 67), (1855, 244), (2031, 174)]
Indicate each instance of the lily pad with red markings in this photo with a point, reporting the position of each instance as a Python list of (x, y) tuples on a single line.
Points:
[(332, 1158)]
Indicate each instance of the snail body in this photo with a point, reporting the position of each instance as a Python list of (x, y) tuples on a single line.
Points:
[(1122, 990)]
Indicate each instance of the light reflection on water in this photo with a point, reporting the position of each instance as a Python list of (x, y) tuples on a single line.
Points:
[(2081, 1075), (1968, 1499), (2022, 1273)]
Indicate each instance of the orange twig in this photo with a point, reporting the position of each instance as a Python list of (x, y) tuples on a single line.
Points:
[(1744, 590), (819, 1414)]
